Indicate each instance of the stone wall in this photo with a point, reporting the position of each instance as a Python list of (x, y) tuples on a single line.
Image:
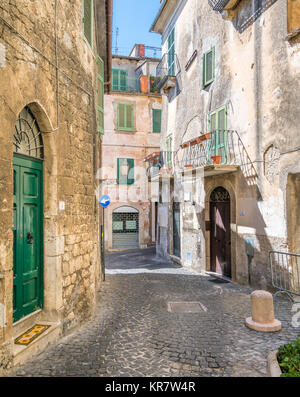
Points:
[(58, 84)]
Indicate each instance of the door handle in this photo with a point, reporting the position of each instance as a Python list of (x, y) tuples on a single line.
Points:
[(30, 238)]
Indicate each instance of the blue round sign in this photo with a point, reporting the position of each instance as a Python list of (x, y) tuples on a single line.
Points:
[(104, 201)]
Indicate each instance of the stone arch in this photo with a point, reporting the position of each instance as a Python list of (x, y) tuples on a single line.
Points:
[(52, 242), (210, 186)]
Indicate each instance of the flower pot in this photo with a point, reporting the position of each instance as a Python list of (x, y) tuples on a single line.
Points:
[(216, 159)]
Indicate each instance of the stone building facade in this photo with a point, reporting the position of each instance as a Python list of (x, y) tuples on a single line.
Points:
[(130, 135), (49, 151), (230, 84)]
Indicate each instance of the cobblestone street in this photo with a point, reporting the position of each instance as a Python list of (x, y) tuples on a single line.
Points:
[(134, 334)]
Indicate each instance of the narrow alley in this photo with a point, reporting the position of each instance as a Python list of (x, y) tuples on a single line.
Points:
[(137, 331)]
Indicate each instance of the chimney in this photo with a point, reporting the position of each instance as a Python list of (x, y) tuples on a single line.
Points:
[(141, 50)]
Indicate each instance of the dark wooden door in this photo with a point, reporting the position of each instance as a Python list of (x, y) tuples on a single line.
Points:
[(28, 240), (220, 235)]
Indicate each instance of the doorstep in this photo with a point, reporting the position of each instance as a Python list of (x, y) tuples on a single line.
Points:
[(219, 276), (175, 259), (22, 353)]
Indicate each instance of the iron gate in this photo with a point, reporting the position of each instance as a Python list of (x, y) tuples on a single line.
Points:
[(125, 230), (285, 269)]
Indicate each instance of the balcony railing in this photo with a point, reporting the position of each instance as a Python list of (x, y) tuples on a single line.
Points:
[(220, 5), (159, 162), (167, 69), (220, 147)]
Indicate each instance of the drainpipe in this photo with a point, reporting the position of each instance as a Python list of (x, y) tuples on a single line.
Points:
[(109, 20)]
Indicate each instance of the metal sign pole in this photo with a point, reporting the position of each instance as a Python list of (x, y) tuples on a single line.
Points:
[(104, 202), (103, 246)]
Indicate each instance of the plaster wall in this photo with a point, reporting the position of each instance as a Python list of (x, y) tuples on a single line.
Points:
[(257, 78)]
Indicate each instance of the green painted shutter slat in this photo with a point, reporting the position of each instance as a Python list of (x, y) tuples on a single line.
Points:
[(171, 53), (125, 117), (130, 180), (115, 80), (129, 117), (218, 141), (100, 95), (156, 120), (208, 67), (123, 80), (119, 80)]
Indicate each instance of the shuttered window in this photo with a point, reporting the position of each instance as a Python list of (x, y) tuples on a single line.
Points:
[(208, 67), (171, 53), (87, 20), (218, 119), (125, 117), (125, 171), (100, 95), (119, 80), (156, 115), (219, 138)]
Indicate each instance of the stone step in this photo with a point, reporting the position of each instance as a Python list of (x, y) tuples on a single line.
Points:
[(22, 325), (51, 335)]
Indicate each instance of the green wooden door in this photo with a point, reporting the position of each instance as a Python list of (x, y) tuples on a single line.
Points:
[(28, 236)]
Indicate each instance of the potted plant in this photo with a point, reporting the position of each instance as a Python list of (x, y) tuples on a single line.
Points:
[(216, 159)]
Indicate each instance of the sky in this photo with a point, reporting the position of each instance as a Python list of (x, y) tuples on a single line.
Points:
[(134, 19)]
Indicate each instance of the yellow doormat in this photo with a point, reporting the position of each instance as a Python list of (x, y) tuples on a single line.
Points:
[(31, 334)]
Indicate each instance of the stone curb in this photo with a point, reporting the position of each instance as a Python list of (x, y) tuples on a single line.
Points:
[(273, 369)]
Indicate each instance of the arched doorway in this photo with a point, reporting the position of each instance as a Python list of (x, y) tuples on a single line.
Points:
[(125, 228), (27, 215), (220, 232)]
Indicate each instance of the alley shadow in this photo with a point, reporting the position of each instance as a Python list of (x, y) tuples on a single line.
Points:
[(138, 259)]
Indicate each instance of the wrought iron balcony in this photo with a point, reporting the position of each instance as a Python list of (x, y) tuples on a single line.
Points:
[(129, 84), (159, 162), (167, 71), (214, 150), (221, 5), (218, 5)]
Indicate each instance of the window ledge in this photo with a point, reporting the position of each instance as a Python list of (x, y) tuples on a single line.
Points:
[(126, 131)]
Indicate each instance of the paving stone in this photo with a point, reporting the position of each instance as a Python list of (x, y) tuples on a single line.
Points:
[(133, 334)]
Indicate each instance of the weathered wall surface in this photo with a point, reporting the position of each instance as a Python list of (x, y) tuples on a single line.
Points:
[(257, 78), (32, 69)]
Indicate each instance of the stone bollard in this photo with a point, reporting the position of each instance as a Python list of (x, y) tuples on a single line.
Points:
[(262, 309)]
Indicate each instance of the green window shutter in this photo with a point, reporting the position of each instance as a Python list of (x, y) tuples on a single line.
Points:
[(127, 165), (100, 95), (115, 80), (218, 141), (156, 115), (208, 67), (119, 80), (121, 116), (88, 20), (171, 53), (129, 117), (130, 179), (123, 80), (125, 117)]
